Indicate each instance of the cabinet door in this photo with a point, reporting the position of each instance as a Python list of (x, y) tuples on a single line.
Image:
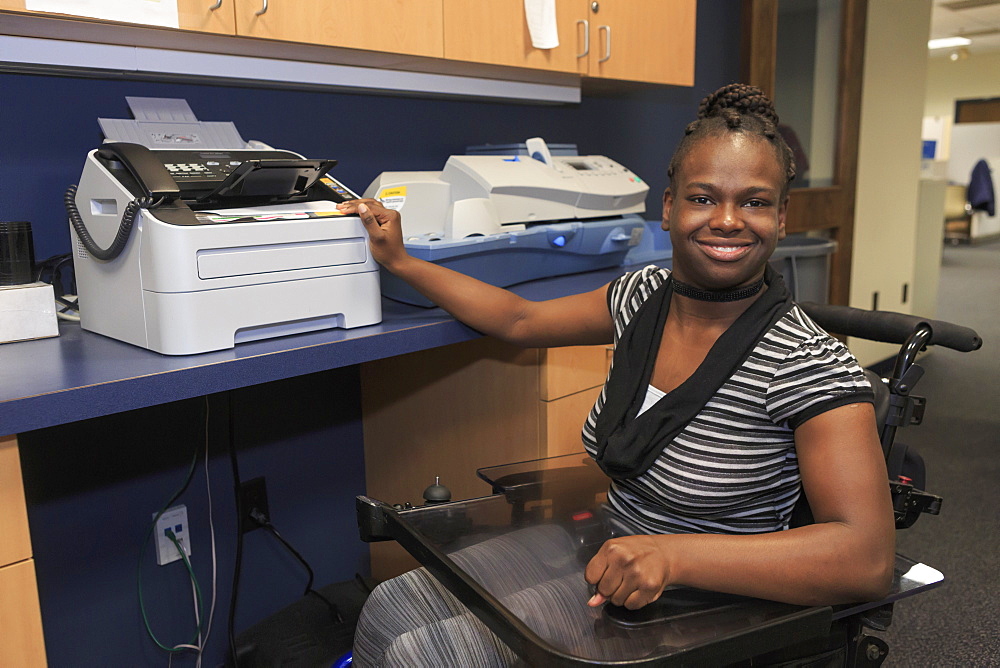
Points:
[(218, 16), (413, 27), (20, 616), (496, 32), (15, 541), (643, 40), (202, 15)]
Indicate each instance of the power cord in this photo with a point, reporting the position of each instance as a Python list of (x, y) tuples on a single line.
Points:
[(238, 560), (50, 270), (263, 522), (211, 527)]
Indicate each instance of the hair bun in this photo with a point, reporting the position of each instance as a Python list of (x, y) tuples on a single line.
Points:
[(743, 98)]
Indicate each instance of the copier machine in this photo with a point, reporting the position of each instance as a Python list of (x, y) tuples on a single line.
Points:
[(188, 239), (516, 213)]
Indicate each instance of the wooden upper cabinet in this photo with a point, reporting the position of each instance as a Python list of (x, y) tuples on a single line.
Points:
[(649, 40), (631, 40), (496, 32), (412, 27), (201, 15)]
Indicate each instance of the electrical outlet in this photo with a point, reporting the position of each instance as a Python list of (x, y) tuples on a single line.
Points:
[(253, 496), (175, 519)]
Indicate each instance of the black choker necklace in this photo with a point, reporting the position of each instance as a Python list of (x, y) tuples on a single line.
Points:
[(718, 295)]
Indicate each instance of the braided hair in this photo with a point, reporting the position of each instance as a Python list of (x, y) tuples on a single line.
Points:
[(736, 108)]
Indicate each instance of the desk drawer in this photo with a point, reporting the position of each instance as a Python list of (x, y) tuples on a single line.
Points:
[(20, 617), (15, 541)]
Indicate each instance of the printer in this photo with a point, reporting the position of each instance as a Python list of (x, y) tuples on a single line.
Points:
[(188, 239), (516, 213)]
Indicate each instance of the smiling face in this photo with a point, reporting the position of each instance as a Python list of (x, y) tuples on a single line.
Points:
[(725, 211)]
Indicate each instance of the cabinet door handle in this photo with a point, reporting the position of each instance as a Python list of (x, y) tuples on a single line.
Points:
[(586, 37), (262, 9), (607, 42), (217, 4)]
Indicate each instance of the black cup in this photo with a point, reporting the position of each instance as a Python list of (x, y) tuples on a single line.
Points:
[(17, 254)]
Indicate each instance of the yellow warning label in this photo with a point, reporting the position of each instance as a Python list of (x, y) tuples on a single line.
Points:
[(393, 198)]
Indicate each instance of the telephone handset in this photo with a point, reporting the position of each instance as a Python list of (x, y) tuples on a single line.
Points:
[(154, 181), (148, 171)]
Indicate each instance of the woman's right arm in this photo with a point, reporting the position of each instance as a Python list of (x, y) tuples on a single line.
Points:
[(575, 320)]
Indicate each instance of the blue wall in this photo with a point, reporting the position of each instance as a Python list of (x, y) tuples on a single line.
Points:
[(93, 486)]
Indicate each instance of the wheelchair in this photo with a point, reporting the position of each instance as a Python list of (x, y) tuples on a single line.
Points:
[(554, 509)]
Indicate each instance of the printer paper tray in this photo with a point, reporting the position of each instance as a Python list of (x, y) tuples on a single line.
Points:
[(226, 262)]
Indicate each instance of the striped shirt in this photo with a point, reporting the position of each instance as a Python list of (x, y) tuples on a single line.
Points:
[(733, 469)]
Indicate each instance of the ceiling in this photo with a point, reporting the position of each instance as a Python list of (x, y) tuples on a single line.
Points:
[(979, 20)]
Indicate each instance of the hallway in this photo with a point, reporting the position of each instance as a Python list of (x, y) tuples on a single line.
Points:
[(958, 624)]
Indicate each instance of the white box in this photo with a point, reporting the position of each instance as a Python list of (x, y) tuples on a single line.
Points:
[(27, 312)]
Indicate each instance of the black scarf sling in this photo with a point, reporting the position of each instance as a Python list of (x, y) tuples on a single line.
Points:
[(627, 446)]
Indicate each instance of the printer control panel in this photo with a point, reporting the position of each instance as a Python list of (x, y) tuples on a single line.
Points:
[(206, 174), (189, 167)]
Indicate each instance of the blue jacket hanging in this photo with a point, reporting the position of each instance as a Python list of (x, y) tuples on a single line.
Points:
[(980, 194)]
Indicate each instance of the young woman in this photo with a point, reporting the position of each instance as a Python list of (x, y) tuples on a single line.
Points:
[(725, 401)]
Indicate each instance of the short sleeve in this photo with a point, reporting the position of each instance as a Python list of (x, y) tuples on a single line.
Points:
[(818, 375), (629, 291)]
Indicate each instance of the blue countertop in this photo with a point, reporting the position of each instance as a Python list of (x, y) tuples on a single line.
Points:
[(80, 375)]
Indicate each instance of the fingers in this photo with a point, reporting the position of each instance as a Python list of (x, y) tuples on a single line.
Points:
[(606, 580), (352, 205), (626, 572), (640, 598), (596, 567), (371, 212), (629, 594), (366, 216)]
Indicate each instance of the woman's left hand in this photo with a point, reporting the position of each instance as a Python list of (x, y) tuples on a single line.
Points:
[(631, 571)]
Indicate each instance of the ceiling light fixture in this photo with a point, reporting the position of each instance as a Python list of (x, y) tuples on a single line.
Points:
[(948, 42)]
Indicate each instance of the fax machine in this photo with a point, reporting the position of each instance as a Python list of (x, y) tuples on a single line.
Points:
[(516, 215), (188, 239)]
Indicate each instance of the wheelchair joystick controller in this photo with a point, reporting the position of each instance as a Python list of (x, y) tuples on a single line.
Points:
[(437, 493)]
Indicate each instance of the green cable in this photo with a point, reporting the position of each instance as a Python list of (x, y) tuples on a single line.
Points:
[(194, 580), (142, 551)]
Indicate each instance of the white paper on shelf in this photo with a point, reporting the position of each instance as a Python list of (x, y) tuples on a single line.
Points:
[(541, 17), (148, 12)]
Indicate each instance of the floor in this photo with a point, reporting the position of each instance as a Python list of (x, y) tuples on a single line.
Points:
[(958, 624)]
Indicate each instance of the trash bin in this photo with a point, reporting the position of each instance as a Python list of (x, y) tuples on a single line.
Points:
[(805, 264), (803, 261)]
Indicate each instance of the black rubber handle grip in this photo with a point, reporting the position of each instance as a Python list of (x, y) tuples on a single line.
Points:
[(889, 327)]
